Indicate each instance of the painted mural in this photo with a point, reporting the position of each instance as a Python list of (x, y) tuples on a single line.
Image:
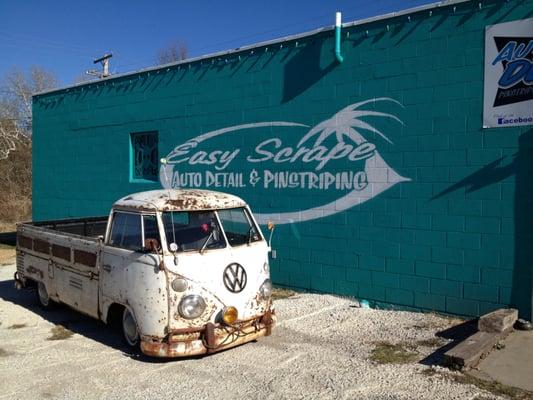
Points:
[(332, 158)]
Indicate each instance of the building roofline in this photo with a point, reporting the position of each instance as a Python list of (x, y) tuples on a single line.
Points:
[(364, 21)]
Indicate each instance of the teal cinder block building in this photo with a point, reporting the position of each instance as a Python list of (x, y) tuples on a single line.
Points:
[(382, 181)]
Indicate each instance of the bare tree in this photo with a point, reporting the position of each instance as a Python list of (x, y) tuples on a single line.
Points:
[(15, 186), (176, 51), (16, 92), (10, 136)]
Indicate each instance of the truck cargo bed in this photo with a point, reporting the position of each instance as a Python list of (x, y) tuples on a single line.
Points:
[(63, 255)]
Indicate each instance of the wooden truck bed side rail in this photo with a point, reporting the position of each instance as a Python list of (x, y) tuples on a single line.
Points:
[(65, 250), (86, 227)]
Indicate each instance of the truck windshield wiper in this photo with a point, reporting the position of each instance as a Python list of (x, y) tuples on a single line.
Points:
[(206, 241)]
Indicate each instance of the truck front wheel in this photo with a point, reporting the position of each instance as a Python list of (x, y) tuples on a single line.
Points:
[(129, 328)]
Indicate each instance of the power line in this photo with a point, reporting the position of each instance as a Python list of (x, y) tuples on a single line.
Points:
[(273, 30), (49, 45), (278, 29), (47, 42)]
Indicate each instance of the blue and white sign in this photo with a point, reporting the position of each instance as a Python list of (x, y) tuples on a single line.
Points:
[(332, 162), (508, 95)]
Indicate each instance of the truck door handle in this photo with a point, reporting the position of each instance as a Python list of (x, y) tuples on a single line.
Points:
[(106, 267)]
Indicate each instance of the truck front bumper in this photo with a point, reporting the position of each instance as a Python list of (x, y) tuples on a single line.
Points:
[(209, 338)]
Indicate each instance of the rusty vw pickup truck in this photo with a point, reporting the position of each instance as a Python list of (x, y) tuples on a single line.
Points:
[(183, 272)]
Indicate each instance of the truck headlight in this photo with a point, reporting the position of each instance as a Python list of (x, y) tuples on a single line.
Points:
[(191, 306), (266, 289), (179, 285), (266, 267)]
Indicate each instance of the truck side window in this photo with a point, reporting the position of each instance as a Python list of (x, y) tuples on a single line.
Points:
[(126, 231)]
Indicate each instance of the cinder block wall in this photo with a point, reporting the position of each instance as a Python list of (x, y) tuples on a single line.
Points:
[(454, 236)]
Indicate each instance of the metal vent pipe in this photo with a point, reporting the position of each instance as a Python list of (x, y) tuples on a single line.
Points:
[(338, 25)]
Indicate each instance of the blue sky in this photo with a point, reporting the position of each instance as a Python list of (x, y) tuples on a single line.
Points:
[(65, 36)]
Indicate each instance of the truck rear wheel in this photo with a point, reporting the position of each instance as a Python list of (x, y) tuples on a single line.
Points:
[(129, 329), (43, 298)]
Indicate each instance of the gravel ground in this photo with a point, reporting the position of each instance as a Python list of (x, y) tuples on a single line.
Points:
[(320, 349), (7, 254)]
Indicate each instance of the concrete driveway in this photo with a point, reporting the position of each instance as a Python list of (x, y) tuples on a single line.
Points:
[(324, 347), (512, 364)]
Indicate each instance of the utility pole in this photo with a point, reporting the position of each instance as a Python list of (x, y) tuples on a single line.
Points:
[(104, 61)]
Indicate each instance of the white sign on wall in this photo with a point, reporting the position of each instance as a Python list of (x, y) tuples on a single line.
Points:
[(332, 161), (508, 94)]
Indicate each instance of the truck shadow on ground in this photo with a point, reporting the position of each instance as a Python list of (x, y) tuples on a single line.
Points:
[(456, 334), (73, 321)]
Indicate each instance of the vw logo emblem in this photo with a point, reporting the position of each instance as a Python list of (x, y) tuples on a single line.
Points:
[(235, 278)]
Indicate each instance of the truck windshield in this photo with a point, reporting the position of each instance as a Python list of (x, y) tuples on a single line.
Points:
[(238, 226), (193, 230)]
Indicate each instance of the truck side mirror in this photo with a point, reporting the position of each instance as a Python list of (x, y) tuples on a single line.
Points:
[(174, 248)]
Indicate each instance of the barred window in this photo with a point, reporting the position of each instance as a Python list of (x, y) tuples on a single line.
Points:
[(145, 156)]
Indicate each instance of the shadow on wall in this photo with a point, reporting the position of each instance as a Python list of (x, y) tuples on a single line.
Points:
[(522, 167), (303, 70), (523, 218)]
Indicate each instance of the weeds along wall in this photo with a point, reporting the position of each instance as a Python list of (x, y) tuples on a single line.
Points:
[(376, 170)]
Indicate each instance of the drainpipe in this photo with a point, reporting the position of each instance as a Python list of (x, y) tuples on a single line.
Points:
[(338, 54)]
